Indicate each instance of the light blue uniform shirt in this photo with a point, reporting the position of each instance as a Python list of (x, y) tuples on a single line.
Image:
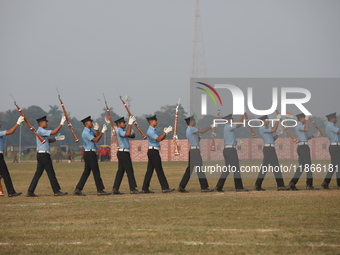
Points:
[(123, 141), (229, 134), (301, 135), (44, 134), (2, 140), (152, 134), (332, 132), (87, 136), (267, 135), (192, 136)]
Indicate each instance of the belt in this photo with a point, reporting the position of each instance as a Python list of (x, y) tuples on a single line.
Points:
[(90, 150), (229, 146), (154, 148), (43, 152), (127, 150), (269, 145), (303, 143), (331, 144), (194, 147), (1, 152)]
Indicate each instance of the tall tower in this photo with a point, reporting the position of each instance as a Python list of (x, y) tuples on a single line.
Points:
[(198, 67)]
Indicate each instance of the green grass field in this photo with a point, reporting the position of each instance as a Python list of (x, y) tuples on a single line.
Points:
[(270, 222)]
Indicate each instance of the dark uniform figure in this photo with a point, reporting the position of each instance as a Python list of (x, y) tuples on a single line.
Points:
[(44, 157), (270, 159), (90, 157), (333, 133), (195, 158), (303, 151), (154, 159), (3, 167), (123, 155), (59, 158), (15, 159), (230, 155)]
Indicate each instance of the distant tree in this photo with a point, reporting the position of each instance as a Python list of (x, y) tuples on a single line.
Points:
[(34, 112), (166, 117), (54, 111)]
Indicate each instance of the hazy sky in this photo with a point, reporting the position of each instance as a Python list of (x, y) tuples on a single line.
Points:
[(143, 48)]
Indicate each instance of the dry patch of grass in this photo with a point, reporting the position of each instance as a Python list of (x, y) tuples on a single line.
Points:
[(271, 222)]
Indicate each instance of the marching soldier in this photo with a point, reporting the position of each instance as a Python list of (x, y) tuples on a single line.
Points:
[(15, 159), (44, 157), (3, 167), (303, 151), (90, 157), (333, 133), (154, 159), (58, 159), (195, 158), (270, 159), (230, 155), (123, 155)]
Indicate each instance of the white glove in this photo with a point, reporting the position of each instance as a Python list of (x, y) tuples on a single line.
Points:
[(63, 119), (104, 128), (307, 117), (95, 126), (21, 119), (279, 116), (239, 142), (132, 119), (175, 137), (59, 137), (279, 132), (213, 125), (168, 129)]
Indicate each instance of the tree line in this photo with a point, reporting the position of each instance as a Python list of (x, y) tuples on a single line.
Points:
[(165, 116)]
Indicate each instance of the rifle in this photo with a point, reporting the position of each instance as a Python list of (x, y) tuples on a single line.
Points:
[(295, 140), (321, 133), (111, 121), (251, 128), (213, 134), (130, 114), (175, 138), (42, 140), (67, 119)]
